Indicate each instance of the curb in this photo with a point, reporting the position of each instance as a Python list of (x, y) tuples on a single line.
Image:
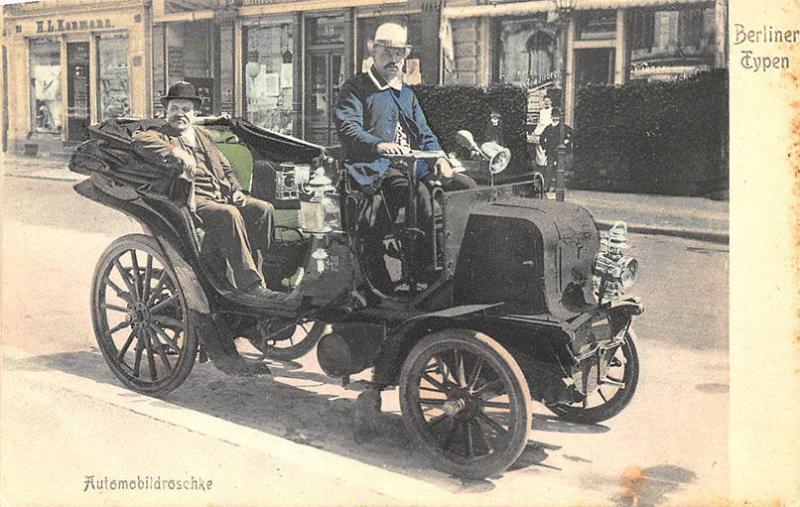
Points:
[(712, 236), (663, 230), (47, 174)]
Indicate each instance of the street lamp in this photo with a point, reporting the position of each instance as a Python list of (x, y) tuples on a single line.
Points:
[(565, 9)]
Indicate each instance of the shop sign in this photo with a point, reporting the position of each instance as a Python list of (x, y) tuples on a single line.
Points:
[(60, 25)]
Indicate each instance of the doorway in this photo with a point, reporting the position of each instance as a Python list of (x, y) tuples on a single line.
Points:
[(77, 91), (325, 73), (325, 76)]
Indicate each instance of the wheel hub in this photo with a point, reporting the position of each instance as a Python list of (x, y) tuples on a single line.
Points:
[(461, 405), (139, 314)]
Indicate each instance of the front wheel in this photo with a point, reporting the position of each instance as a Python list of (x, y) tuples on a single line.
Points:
[(608, 399), (140, 317), (465, 402)]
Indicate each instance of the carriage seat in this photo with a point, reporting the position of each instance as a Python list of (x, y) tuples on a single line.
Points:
[(237, 154)]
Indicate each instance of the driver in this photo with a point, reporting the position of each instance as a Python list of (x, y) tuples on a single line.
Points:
[(235, 224), (378, 115)]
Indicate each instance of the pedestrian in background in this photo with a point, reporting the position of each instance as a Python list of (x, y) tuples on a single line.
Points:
[(545, 117), (550, 141)]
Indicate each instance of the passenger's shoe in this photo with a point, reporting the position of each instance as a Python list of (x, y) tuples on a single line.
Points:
[(259, 291)]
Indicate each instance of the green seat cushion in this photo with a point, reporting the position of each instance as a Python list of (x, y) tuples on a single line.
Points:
[(241, 161)]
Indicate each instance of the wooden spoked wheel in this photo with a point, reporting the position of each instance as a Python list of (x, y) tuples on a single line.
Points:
[(140, 317), (465, 401), (609, 397)]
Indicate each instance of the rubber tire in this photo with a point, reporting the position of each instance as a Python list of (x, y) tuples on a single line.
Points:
[(618, 402), (189, 354), (500, 359), (300, 349)]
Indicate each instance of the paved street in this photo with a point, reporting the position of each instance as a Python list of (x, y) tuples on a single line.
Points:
[(289, 440)]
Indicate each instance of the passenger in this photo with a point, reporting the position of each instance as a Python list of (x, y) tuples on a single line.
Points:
[(378, 115), (236, 225)]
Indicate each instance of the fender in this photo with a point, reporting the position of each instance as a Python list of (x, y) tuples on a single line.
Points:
[(131, 204), (192, 290), (622, 311), (399, 342)]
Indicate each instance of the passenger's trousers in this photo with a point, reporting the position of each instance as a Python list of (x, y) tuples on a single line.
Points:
[(235, 233)]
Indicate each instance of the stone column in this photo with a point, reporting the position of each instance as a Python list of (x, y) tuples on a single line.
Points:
[(621, 49), (721, 33)]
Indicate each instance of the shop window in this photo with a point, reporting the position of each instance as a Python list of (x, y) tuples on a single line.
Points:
[(269, 76), (326, 29), (671, 44), (366, 30), (526, 52), (113, 79), (596, 25), (45, 68)]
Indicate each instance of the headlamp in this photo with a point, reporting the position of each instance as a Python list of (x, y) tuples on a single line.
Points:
[(615, 271), (498, 156)]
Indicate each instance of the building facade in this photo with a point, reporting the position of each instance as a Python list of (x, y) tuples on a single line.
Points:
[(280, 63), (608, 42), (67, 64)]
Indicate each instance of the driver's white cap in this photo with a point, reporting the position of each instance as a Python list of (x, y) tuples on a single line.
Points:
[(391, 35)]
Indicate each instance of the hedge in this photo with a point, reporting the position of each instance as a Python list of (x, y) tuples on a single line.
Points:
[(451, 108), (660, 137)]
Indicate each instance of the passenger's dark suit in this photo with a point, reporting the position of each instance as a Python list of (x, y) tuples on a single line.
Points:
[(235, 232)]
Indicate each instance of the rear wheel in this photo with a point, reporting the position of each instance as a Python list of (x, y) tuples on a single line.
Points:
[(287, 339), (140, 317), (465, 402), (609, 398)]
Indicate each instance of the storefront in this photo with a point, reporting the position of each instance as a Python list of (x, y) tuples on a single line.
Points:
[(294, 56), (280, 63), (608, 42), (64, 71), (193, 41)]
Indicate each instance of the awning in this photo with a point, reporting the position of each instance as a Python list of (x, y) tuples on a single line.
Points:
[(535, 6)]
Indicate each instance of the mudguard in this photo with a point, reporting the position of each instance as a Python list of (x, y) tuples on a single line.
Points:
[(399, 342)]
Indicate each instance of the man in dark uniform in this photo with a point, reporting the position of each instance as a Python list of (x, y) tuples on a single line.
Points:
[(378, 115), (549, 141), (235, 224)]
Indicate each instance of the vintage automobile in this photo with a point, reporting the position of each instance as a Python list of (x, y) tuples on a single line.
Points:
[(519, 300)]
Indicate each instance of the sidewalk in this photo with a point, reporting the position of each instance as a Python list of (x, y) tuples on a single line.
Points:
[(686, 217)]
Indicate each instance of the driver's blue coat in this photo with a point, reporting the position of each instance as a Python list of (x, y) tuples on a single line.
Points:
[(367, 113)]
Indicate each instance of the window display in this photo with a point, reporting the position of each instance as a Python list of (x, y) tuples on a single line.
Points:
[(45, 66), (113, 79), (669, 44), (527, 52), (269, 76)]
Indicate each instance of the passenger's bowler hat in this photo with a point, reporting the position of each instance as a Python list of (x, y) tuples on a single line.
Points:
[(181, 90)]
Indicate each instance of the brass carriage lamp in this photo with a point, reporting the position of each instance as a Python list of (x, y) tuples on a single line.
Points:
[(565, 9), (320, 213), (615, 271)]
